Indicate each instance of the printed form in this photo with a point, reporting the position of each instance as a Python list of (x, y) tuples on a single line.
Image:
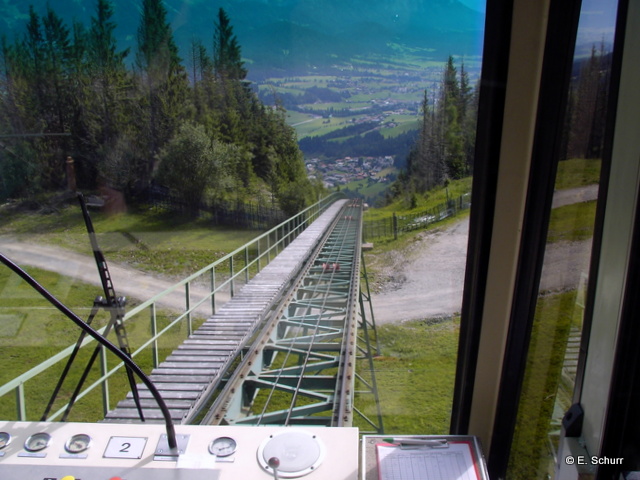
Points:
[(456, 462)]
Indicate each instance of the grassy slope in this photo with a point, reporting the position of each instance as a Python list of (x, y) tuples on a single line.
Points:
[(415, 376), (32, 331), (554, 317)]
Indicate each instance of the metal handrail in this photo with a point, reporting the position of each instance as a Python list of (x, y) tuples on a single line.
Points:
[(276, 239)]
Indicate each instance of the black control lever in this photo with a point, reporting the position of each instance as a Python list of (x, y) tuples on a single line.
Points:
[(171, 433)]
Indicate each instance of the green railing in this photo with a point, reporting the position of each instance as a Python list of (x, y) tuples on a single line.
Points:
[(222, 277)]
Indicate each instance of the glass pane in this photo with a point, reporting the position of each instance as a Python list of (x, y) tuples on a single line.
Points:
[(555, 339), (314, 97)]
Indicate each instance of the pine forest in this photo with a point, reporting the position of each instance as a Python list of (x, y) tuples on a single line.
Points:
[(134, 120)]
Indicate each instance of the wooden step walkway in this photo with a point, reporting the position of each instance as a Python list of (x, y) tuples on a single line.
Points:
[(187, 374)]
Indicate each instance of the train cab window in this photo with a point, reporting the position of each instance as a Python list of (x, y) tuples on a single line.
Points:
[(551, 354), (507, 130), (555, 339)]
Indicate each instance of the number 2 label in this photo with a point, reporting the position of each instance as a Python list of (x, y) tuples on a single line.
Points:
[(125, 447)]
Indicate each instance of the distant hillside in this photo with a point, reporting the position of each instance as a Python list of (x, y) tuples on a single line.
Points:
[(290, 34)]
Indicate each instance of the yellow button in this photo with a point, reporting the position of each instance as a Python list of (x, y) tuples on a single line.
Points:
[(68, 477)]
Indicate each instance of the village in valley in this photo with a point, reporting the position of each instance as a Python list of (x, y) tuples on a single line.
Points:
[(349, 169)]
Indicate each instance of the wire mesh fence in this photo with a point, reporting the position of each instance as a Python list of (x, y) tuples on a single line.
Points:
[(395, 225), (236, 214)]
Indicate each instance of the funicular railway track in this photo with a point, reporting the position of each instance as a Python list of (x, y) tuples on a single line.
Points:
[(282, 351), (301, 367)]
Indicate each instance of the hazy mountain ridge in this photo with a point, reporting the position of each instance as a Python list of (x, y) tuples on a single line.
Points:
[(288, 33)]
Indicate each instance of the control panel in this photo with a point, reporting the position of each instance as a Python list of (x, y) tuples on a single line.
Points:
[(106, 451)]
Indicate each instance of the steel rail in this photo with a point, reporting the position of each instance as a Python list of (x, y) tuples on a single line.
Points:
[(340, 399), (343, 413)]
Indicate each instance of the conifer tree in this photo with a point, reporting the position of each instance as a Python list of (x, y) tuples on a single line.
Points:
[(109, 87), (57, 55), (452, 142), (118, 120), (227, 58), (424, 163), (164, 80), (32, 65), (445, 145), (587, 109)]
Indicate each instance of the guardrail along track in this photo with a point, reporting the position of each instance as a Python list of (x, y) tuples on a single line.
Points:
[(301, 367)]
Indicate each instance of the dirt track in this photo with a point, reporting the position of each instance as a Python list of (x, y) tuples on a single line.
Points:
[(127, 281), (425, 280)]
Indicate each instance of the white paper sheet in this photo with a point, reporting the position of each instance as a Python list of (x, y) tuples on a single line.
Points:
[(453, 463)]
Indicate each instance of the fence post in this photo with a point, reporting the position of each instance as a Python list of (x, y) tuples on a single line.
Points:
[(154, 332), (213, 289), (20, 403), (246, 264), (104, 368), (187, 304), (232, 273)]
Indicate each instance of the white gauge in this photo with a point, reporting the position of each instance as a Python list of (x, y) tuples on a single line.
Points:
[(5, 439), (78, 443), (223, 447), (37, 442)]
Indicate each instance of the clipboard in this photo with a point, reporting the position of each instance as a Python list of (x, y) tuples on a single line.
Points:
[(456, 457)]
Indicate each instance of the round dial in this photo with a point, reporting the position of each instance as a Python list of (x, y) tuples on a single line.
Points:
[(5, 439), (222, 447), (78, 443), (37, 442)]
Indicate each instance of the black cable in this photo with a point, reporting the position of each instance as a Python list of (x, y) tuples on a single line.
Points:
[(171, 434)]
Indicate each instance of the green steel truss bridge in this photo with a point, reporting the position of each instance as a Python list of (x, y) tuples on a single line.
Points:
[(292, 346)]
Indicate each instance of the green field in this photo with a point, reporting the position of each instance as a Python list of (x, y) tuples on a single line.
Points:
[(365, 188), (32, 330), (397, 83), (321, 126), (415, 375)]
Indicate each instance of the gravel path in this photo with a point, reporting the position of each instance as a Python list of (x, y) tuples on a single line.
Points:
[(126, 280), (425, 280)]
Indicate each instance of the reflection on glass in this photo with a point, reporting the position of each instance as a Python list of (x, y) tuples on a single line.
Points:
[(555, 338), (283, 103)]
